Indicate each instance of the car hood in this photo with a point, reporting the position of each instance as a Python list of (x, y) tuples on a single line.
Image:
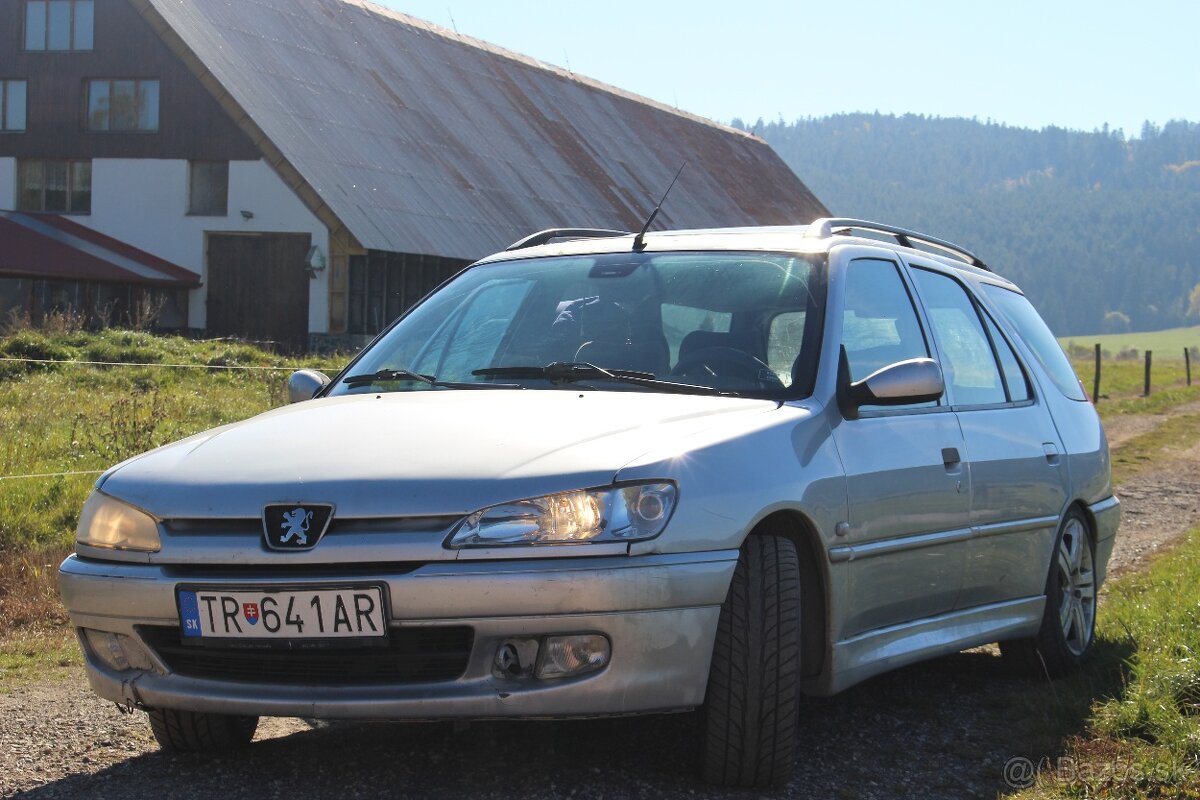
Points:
[(416, 453)]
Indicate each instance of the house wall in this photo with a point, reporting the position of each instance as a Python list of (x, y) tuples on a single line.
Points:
[(191, 123), (144, 202)]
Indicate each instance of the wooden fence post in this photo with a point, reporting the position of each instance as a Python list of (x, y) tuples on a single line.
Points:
[(1187, 363), (1096, 378), (1146, 393)]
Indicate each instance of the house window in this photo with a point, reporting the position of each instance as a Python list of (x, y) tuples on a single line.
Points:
[(63, 187), (208, 188), (122, 105), (59, 24), (12, 105)]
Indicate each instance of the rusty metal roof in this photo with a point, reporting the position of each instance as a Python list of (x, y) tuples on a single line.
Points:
[(424, 141)]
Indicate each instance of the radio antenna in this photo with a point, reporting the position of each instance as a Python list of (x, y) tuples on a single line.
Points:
[(639, 241)]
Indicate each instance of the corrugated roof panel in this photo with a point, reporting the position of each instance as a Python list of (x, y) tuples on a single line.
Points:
[(423, 141)]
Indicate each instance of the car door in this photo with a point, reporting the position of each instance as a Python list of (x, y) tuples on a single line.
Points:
[(907, 480), (1018, 476)]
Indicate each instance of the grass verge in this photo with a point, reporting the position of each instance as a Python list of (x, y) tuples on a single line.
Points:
[(45, 655), (1143, 740), (36, 642), (1173, 435)]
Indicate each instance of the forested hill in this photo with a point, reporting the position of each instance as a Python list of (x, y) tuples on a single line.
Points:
[(1102, 231)]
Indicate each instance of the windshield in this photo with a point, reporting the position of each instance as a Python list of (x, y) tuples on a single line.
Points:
[(745, 324)]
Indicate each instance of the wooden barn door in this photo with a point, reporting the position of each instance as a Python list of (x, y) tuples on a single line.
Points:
[(258, 287)]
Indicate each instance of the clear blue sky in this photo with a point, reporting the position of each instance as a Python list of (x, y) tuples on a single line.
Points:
[(1071, 63)]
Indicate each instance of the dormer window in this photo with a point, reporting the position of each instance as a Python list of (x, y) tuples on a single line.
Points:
[(59, 24), (122, 105)]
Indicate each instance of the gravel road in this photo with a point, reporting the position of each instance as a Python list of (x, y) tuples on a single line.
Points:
[(942, 729), (916, 733)]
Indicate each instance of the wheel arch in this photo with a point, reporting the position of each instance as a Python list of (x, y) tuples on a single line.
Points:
[(1086, 511)]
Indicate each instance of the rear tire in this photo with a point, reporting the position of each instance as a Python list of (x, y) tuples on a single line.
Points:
[(1069, 622), (751, 707), (197, 732)]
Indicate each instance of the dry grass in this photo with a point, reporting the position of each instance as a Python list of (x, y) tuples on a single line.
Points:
[(29, 601), (36, 641)]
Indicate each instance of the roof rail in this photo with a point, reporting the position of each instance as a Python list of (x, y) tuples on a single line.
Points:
[(542, 237), (828, 226)]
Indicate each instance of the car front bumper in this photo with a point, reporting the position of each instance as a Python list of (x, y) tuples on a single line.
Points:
[(659, 612)]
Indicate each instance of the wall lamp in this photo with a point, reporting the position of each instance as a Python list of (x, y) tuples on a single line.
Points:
[(314, 262)]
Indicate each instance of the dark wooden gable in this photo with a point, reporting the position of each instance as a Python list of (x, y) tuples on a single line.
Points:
[(191, 123)]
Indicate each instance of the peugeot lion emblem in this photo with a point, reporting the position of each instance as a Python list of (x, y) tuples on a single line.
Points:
[(295, 526)]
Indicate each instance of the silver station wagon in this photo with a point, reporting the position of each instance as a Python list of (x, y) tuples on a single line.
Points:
[(601, 473)]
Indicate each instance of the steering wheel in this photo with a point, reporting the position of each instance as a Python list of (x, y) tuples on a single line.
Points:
[(726, 362)]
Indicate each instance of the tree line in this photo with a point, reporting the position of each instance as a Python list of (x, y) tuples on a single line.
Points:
[(1100, 229)]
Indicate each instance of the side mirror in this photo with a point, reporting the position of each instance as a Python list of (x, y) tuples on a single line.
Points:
[(917, 380), (304, 384)]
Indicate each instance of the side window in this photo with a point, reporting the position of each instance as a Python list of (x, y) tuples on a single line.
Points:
[(879, 323), (680, 321), (1014, 377), (1037, 336), (968, 363)]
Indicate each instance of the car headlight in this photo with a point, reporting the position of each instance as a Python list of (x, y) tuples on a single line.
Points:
[(627, 513), (108, 523)]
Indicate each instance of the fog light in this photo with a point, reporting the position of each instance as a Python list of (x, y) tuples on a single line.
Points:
[(564, 656), (117, 651), (515, 658)]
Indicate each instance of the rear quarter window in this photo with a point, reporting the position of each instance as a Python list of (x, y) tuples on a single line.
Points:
[(1037, 336)]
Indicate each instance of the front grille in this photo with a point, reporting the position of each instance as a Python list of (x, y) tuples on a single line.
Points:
[(412, 655), (253, 527)]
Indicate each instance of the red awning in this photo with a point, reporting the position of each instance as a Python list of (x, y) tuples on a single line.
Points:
[(47, 246)]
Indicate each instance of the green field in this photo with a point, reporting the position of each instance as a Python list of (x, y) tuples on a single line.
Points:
[(1139, 694), (1168, 344)]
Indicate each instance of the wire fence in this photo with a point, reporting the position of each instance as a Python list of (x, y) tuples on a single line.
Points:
[(156, 364), (51, 474)]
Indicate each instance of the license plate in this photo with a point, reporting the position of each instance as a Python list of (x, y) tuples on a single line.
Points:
[(341, 613)]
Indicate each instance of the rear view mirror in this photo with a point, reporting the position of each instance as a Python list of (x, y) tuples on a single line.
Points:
[(304, 384), (917, 380)]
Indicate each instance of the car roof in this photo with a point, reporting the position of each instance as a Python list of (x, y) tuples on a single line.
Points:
[(819, 237)]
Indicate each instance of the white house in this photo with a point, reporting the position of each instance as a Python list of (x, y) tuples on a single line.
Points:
[(303, 171)]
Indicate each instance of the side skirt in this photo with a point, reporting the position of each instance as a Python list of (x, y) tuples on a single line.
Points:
[(869, 654)]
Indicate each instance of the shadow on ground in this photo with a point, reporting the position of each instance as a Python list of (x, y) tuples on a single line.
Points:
[(940, 729)]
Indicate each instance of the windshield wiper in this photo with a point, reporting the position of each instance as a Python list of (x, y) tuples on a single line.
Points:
[(389, 375), (574, 371)]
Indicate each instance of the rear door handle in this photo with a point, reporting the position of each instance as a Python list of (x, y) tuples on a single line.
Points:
[(1051, 452)]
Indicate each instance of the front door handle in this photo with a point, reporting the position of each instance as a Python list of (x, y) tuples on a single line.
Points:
[(950, 457), (1051, 453)]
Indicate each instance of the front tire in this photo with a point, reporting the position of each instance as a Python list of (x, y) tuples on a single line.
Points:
[(198, 732), (752, 701), (1069, 623)]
